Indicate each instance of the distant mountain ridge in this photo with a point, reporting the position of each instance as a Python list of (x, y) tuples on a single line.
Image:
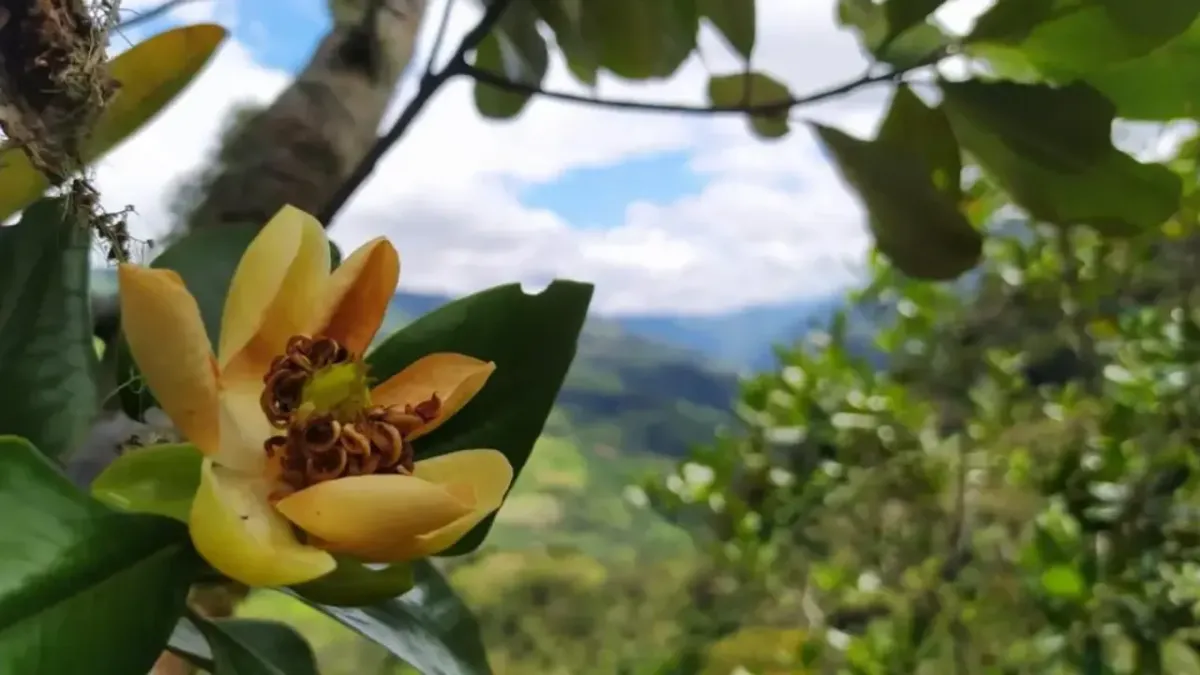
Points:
[(740, 339)]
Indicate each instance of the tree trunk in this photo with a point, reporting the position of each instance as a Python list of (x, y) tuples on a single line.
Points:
[(309, 140)]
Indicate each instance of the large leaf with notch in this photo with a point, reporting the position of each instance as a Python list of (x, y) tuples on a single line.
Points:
[(47, 356), (83, 589), (531, 339)]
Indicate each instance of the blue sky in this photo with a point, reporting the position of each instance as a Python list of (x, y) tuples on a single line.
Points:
[(665, 213), (281, 35)]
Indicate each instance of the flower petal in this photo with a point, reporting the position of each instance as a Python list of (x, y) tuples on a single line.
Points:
[(359, 292), (236, 530), (455, 378), (276, 292), (361, 513), (244, 427), (487, 472), (166, 337)]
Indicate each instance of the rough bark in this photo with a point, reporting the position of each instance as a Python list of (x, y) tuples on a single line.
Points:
[(303, 145)]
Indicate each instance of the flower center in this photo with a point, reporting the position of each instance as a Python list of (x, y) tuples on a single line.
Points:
[(318, 395)]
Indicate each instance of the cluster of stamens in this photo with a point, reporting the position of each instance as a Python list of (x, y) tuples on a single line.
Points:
[(320, 445)]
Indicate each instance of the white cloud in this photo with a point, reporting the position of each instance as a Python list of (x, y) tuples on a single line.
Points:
[(773, 222)]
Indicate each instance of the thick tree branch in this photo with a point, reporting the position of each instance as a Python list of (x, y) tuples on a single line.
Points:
[(430, 83)]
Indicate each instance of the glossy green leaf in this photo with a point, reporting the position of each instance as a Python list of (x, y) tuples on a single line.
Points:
[(514, 50), (735, 19), (925, 132), (256, 647), (916, 225), (205, 260), (157, 479), (83, 589), (1064, 128), (1115, 194), (753, 89), (429, 627), (565, 17), (151, 74), (47, 356), (1011, 21), (1077, 37), (1161, 21), (638, 40), (354, 584), (1162, 85), (901, 15), (532, 340), (903, 48)]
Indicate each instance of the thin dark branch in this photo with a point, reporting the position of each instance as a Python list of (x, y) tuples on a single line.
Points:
[(151, 14), (773, 108), (430, 83), (438, 38)]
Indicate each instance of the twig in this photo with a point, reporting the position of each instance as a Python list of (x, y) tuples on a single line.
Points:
[(430, 83), (775, 107), (438, 38), (152, 14)]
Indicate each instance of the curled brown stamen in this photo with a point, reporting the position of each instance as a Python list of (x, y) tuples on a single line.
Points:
[(289, 372), (326, 465), (318, 448)]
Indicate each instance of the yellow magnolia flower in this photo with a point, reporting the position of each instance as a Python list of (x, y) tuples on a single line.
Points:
[(302, 457)]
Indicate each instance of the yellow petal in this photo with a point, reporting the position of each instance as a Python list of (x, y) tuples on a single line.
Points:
[(361, 513), (455, 379), (486, 474), (276, 292), (244, 427), (238, 532), (166, 337), (489, 474), (359, 292)]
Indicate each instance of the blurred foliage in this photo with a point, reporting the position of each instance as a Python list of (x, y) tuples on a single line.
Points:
[(1012, 489), (1017, 492)]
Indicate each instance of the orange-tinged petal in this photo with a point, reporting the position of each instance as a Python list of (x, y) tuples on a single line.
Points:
[(455, 378), (276, 292), (360, 513), (359, 292), (489, 476), (236, 530), (166, 337)]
